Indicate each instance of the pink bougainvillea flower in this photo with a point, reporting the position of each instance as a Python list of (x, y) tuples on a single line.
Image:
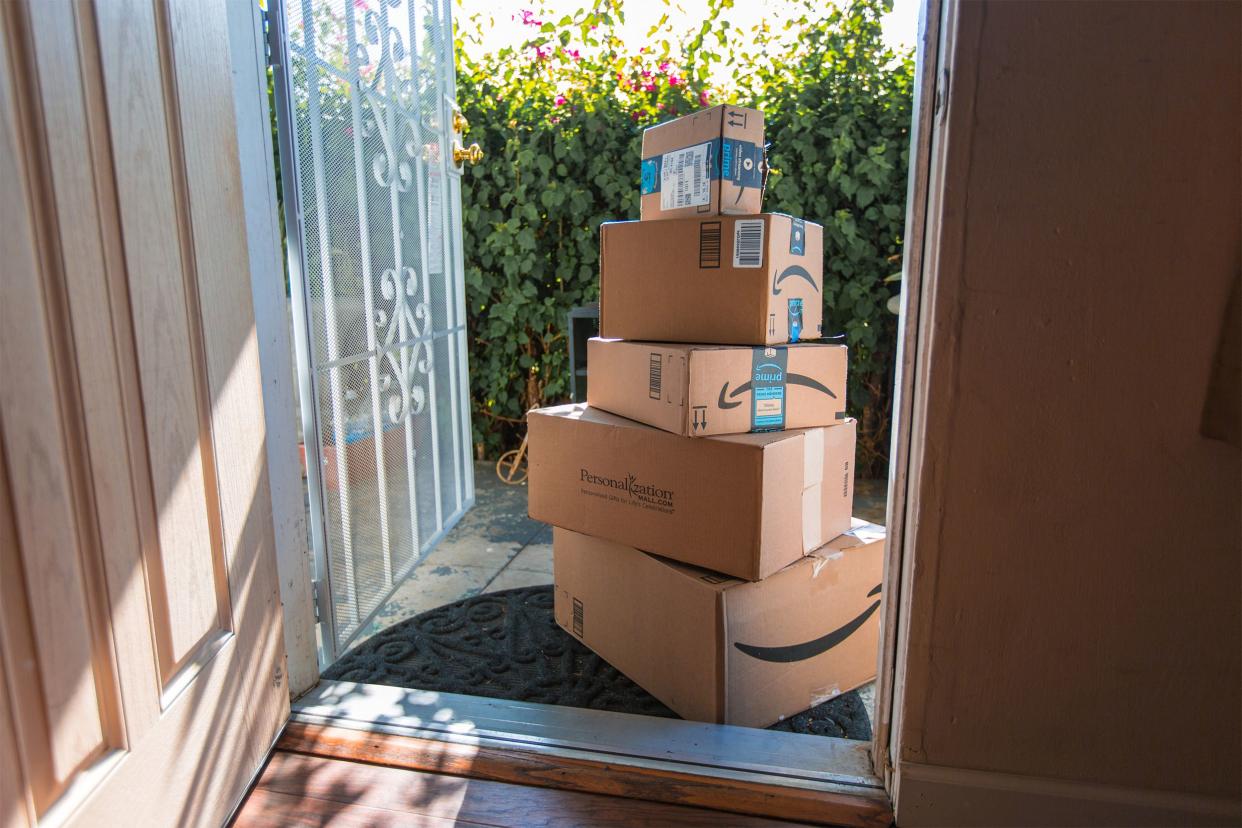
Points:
[(560, 100), (528, 18), (703, 96), (635, 116), (651, 87), (673, 80), (664, 66), (659, 106)]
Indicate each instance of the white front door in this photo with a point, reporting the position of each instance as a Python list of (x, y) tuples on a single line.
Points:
[(141, 658), (365, 102)]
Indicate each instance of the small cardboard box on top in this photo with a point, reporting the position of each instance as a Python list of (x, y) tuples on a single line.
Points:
[(715, 649), (706, 163), (746, 504), (701, 390), (728, 280)]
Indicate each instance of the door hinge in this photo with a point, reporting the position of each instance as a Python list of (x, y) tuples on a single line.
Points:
[(315, 598)]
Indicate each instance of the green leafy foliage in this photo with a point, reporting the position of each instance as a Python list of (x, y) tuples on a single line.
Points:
[(560, 120)]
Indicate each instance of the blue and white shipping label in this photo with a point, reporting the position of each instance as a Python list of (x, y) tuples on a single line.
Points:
[(683, 177), (767, 394), (795, 319), (797, 238)]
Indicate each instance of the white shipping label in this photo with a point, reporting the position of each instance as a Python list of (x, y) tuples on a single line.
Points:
[(684, 181), (435, 221), (748, 243)]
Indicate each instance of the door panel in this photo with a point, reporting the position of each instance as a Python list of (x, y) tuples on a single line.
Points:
[(366, 101), (140, 633)]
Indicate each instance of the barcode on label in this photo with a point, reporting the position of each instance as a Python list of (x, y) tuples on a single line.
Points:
[(655, 373), (577, 618), (683, 178), (709, 244), (748, 243)]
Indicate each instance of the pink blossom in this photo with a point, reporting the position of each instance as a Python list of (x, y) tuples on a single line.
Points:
[(528, 18), (650, 87), (673, 80), (560, 100), (703, 98), (659, 106), (664, 66), (634, 115)]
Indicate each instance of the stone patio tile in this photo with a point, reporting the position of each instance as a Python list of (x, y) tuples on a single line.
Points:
[(429, 587), (462, 549), (513, 578), (536, 557)]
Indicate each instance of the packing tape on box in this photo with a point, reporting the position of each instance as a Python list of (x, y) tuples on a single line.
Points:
[(821, 557), (769, 368), (812, 526), (812, 457)]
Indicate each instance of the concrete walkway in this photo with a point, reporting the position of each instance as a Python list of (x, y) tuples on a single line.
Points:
[(494, 547)]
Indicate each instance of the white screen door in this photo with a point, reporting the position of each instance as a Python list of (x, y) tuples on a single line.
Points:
[(365, 106)]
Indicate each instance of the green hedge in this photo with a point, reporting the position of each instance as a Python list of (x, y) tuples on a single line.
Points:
[(560, 119)]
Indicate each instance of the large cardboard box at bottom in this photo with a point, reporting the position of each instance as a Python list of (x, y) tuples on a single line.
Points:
[(716, 649), (747, 505)]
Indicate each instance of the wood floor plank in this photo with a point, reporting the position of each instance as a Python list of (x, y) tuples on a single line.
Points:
[(270, 809), (865, 809), (309, 790)]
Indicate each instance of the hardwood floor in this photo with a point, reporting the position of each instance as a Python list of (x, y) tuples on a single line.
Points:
[(295, 789)]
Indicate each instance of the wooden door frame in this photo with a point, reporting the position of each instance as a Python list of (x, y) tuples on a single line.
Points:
[(937, 25), (248, 41)]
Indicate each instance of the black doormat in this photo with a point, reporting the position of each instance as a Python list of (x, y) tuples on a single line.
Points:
[(506, 645)]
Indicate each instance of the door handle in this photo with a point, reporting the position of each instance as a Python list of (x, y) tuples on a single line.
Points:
[(472, 154)]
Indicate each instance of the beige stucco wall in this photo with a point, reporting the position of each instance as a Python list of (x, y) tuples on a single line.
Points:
[(1075, 603)]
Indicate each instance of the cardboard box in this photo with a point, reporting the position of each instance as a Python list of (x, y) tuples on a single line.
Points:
[(717, 649), (756, 280), (701, 390), (704, 164), (746, 504)]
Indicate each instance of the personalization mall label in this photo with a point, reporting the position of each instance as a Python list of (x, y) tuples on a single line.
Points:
[(767, 390)]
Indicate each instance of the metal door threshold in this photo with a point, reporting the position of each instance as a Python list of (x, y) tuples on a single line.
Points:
[(771, 757)]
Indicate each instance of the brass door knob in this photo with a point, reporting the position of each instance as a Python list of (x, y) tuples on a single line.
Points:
[(472, 154), (460, 124)]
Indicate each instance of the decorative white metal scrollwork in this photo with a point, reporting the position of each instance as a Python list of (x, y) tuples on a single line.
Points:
[(404, 360)]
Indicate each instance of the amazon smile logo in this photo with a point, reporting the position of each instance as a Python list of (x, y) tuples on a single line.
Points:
[(793, 272), (729, 399), (818, 646)]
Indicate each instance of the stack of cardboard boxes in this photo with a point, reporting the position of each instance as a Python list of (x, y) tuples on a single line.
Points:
[(703, 496)]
